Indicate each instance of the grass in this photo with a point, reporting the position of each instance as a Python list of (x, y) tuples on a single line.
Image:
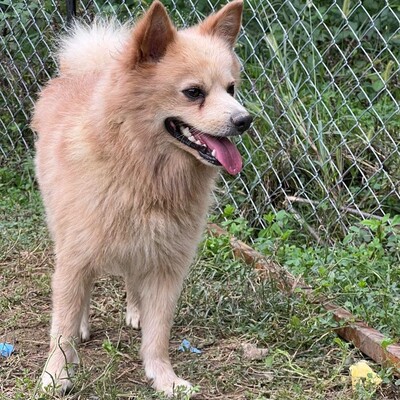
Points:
[(224, 307), (359, 272), (321, 83)]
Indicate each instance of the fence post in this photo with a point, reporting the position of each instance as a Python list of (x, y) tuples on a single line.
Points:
[(71, 11)]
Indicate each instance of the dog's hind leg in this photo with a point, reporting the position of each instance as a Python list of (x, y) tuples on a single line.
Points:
[(132, 303), (84, 330), (71, 292), (159, 295)]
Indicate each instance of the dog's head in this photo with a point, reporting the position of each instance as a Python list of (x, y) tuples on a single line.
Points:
[(194, 74)]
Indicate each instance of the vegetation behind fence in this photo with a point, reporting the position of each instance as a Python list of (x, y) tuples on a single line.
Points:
[(322, 79)]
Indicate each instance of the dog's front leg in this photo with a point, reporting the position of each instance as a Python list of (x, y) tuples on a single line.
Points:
[(71, 292), (159, 296)]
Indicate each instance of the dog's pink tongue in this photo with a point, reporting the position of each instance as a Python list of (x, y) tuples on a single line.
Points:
[(225, 152)]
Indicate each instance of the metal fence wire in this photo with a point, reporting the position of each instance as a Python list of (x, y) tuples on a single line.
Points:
[(321, 78)]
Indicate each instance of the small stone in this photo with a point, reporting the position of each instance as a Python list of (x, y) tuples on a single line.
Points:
[(252, 352)]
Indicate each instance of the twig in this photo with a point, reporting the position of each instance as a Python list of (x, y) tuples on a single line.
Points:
[(364, 214), (302, 222)]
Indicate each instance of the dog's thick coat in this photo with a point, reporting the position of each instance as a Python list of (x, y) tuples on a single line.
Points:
[(124, 191)]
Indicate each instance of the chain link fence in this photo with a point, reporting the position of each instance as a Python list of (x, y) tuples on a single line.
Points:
[(322, 79)]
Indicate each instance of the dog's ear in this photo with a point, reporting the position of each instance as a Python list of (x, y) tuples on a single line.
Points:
[(225, 23), (152, 35)]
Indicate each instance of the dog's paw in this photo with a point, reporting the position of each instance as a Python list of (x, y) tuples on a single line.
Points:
[(173, 387), (61, 384), (133, 317), (84, 332), (60, 366)]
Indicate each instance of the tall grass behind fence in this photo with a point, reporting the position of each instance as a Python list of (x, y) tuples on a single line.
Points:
[(321, 77)]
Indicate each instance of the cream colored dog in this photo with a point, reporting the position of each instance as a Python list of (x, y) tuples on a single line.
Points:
[(129, 137)]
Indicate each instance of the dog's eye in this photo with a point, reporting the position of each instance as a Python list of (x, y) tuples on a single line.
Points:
[(231, 89), (194, 93)]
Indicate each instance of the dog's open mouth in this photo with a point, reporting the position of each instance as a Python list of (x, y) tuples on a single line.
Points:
[(215, 150)]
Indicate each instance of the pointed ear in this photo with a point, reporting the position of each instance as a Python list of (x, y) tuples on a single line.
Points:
[(225, 23), (152, 35)]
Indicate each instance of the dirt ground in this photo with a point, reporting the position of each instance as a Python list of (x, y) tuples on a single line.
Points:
[(222, 310)]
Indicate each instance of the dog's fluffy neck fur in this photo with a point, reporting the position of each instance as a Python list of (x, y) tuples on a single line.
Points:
[(170, 182)]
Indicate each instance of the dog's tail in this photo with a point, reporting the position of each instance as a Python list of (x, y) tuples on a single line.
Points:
[(87, 49)]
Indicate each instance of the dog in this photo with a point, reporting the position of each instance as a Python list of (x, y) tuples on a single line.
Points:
[(131, 135)]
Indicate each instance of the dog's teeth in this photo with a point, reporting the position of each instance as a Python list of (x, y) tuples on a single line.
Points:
[(213, 153), (186, 132), (201, 144), (192, 139)]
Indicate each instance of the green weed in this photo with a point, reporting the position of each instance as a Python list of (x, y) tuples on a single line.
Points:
[(359, 272)]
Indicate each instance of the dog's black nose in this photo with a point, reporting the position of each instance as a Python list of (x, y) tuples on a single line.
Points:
[(242, 121)]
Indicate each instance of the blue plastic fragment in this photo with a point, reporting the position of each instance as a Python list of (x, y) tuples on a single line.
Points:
[(186, 346), (6, 349)]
